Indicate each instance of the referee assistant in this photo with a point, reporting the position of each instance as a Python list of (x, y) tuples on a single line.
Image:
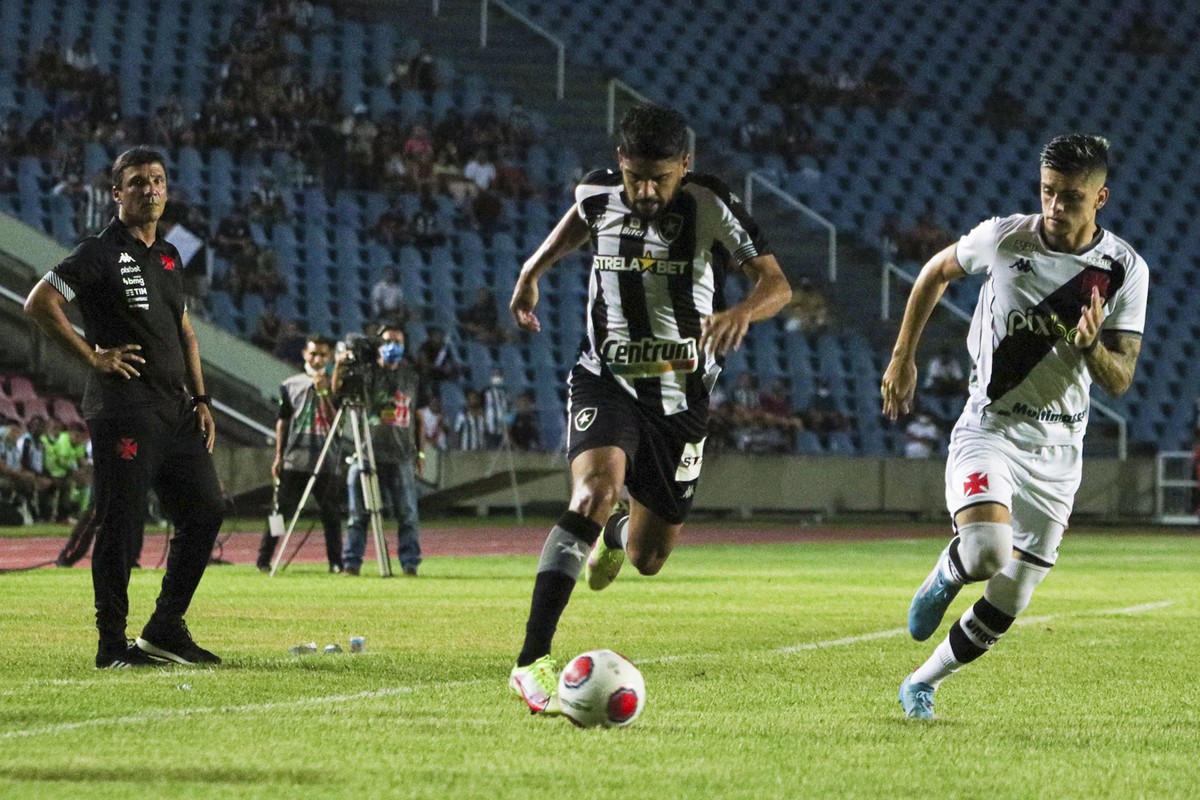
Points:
[(145, 404)]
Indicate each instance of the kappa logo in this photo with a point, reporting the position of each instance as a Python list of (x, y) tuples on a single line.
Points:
[(126, 259), (1023, 266), (669, 227), (584, 419), (689, 492)]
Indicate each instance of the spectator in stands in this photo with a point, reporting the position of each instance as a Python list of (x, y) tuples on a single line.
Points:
[(525, 432), (359, 133), (387, 299), (881, 84), (267, 329), (266, 203), (497, 410), (470, 426), (391, 229), (944, 375), (923, 240), (822, 414), (63, 457), (519, 127), (21, 486), (436, 361), (426, 224), (422, 73), (254, 271), (486, 212), (79, 56), (233, 235), (511, 180), (481, 319), (433, 423), (1002, 110), (418, 151), (808, 311), (481, 170), (922, 437), (448, 173), (31, 459), (746, 395)]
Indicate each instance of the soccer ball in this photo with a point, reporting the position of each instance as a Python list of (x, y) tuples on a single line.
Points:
[(601, 687)]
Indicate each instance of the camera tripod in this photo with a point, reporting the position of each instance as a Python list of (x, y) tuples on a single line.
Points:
[(354, 410)]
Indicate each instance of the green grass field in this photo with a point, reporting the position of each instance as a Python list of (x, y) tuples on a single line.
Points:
[(771, 671)]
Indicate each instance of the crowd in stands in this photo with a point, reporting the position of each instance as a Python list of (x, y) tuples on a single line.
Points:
[(45, 456)]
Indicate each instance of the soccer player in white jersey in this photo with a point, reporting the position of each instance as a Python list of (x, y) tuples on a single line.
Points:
[(656, 327), (1064, 304)]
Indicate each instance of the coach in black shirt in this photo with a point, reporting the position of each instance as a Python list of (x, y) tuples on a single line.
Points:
[(145, 404)]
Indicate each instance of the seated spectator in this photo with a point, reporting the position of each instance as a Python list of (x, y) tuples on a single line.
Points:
[(923, 240), (519, 127), (233, 234), (922, 437), (470, 426), (808, 311), (944, 375), (480, 170), (448, 173), (391, 229), (387, 299), (31, 461), (254, 271), (422, 72), (20, 487), (497, 410), (418, 152), (481, 319), (436, 361), (267, 329), (822, 415), (426, 226), (511, 180), (1003, 111), (487, 212), (266, 203), (525, 432)]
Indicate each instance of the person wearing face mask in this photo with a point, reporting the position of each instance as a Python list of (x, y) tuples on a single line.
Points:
[(390, 392), (306, 412)]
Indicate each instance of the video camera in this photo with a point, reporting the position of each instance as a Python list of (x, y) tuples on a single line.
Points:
[(360, 360)]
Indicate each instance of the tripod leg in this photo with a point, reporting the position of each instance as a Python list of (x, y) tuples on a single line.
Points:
[(312, 479), (370, 488)]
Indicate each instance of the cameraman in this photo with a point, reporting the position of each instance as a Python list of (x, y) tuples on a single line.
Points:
[(389, 390), (306, 413)]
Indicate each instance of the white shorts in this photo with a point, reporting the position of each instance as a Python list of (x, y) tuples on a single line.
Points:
[(1036, 483)]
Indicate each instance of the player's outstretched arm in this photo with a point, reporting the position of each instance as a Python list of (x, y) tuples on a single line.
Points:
[(725, 330), (900, 377), (568, 235)]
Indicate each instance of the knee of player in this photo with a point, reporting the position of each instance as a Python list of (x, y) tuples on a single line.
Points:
[(594, 496), (985, 548), (646, 562)]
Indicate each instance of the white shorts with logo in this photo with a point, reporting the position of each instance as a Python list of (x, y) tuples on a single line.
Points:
[(1037, 483)]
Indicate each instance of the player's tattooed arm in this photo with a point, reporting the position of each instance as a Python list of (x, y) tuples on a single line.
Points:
[(1113, 362)]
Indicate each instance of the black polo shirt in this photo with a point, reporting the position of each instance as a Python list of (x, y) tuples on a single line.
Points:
[(128, 294)]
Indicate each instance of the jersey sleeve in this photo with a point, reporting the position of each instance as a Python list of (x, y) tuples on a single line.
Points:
[(596, 182), (735, 229), (77, 271), (976, 250), (1129, 309)]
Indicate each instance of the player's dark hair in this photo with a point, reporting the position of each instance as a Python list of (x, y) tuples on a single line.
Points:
[(135, 157), (320, 339), (1074, 153), (654, 132)]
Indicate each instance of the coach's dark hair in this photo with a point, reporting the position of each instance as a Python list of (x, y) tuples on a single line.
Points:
[(320, 339), (1074, 153), (135, 157), (393, 326), (654, 132)]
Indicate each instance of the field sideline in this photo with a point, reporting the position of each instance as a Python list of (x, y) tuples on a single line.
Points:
[(771, 671)]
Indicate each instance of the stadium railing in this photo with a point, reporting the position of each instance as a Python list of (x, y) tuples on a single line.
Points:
[(755, 177), (559, 47), (1175, 488)]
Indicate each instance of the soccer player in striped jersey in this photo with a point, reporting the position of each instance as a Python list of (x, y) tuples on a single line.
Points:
[(1064, 305), (662, 239)]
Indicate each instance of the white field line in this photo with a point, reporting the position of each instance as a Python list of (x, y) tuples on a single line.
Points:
[(254, 708)]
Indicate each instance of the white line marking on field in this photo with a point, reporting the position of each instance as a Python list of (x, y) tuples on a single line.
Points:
[(166, 714)]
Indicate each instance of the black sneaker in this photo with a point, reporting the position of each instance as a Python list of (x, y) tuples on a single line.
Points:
[(128, 657), (175, 644)]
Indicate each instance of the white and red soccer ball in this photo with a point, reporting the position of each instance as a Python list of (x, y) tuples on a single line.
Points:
[(601, 688)]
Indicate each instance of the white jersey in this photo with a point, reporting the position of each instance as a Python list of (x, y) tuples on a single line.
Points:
[(652, 281), (1028, 380)]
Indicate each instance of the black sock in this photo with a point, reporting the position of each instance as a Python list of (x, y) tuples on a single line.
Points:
[(552, 588), (612, 532)]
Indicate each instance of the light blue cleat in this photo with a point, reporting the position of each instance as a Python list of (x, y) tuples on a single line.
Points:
[(917, 699), (930, 602)]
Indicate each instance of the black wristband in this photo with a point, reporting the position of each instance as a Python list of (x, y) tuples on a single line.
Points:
[(197, 399), (1085, 350)]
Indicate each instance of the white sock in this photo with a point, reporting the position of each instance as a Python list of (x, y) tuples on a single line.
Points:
[(941, 665)]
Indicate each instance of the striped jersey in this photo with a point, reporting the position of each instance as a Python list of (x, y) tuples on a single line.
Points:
[(1028, 379), (652, 281)]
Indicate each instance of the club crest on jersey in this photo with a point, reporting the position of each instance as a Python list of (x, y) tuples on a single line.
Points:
[(1095, 279), (584, 419), (669, 227)]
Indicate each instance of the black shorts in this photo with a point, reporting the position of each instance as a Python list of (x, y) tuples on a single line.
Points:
[(663, 453)]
